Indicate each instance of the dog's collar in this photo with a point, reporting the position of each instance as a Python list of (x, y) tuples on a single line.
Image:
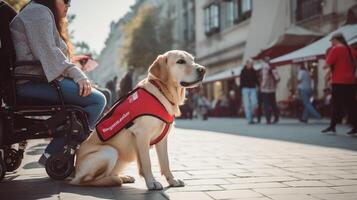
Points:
[(159, 88)]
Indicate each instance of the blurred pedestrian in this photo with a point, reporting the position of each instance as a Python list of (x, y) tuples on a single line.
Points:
[(126, 83), (204, 106), (248, 84), (259, 111), (341, 60), (305, 91), (270, 79)]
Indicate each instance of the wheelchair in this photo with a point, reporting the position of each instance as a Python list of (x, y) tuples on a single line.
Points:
[(23, 121)]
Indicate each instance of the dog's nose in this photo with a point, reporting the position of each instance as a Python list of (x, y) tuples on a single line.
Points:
[(201, 71)]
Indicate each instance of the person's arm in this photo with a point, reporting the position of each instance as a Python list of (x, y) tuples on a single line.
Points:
[(331, 57), (275, 73), (40, 29), (300, 76), (256, 80), (242, 77)]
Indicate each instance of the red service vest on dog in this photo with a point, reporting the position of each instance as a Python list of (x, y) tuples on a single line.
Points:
[(138, 102)]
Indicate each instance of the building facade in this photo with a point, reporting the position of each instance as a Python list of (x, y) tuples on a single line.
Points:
[(228, 32)]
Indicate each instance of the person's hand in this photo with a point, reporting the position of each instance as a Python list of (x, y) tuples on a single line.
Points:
[(85, 87)]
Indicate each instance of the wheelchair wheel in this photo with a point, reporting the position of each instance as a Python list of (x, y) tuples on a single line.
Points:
[(60, 166), (13, 159), (2, 169)]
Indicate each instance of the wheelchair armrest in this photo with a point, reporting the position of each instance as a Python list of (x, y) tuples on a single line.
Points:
[(30, 77), (27, 62)]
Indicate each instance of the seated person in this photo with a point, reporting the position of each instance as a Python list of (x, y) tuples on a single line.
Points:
[(39, 33)]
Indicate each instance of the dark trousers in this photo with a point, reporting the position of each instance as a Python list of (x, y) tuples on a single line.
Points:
[(343, 99), (269, 104), (260, 106)]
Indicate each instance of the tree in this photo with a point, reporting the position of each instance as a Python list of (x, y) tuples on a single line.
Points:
[(82, 48), (17, 4), (146, 38)]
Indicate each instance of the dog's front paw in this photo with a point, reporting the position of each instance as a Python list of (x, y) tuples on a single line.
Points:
[(127, 179), (154, 185), (176, 183)]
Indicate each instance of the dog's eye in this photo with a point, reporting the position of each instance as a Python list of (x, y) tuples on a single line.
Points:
[(181, 61)]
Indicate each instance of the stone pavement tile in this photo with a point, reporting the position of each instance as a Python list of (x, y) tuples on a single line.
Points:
[(273, 171), (79, 196), (230, 194), (306, 183), (313, 177), (294, 164), (352, 171), (252, 186), (292, 197), (258, 198), (348, 176), (317, 171), (210, 176), (351, 188), (252, 174), (217, 171), (207, 182), (128, 190), (301, 190), (347, 196), (341, 163), (262, 179), (29, 196), (327, 172), (341, 182), (195, 188), (148, 196), (76, 192), (189, 196), (29, 186)]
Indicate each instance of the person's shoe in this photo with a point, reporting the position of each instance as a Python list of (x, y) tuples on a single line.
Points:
[(352, 132), (276, 120), (303, 120), (329, 130), (43, 159), (251, 122)]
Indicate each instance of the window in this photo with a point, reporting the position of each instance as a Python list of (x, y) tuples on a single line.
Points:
[(242, 10), (246, 5), (212, 23), (308, 8), (227, 14)]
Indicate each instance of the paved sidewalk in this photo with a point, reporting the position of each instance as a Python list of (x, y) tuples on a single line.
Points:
[(230, 161)]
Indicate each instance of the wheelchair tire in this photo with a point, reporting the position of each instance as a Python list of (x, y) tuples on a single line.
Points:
[(13, 159), (60, 166), (2, 169)]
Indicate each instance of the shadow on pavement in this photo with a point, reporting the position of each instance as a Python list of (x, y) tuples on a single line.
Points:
[(44, 187), (288, 130), (33, 188), (32, 165)]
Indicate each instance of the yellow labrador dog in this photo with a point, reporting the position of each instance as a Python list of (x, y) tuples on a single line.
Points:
[(101, 163)]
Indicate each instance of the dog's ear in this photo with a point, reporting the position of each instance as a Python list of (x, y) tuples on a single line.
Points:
[(158, 69)]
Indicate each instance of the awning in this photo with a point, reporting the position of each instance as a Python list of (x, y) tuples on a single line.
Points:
[(229, 73), (294, 38), (223, 75), (317, 49)]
